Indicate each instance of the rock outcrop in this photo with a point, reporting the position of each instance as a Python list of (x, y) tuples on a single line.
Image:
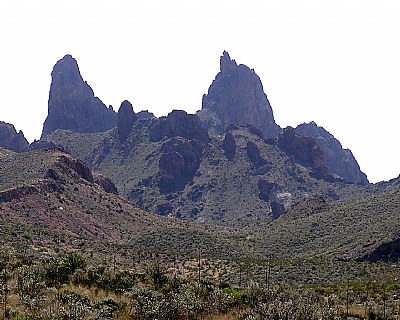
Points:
[(306, 151), (179, 161), (10, 139), (72, 104), (126, 120), (105, 183), (237, 96), (178, 123), (229, 146), (265, 189), (254, 155), (340, 161), (145, 114)]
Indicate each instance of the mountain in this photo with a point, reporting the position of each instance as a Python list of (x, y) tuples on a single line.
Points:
[(338, 160), (10, 139), (50, 200), (236, 96), (72, 104), (173, 167), (177, 166), (365, 228)]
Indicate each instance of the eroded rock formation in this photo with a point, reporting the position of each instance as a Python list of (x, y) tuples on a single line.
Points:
[(10, 139), (237, 96), (72, 104), (338, 160)]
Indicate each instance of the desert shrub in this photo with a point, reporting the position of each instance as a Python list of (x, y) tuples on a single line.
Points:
[(31, 286), (73, 261), (68, 306), (105, 309), (146, 303), (156, 273)]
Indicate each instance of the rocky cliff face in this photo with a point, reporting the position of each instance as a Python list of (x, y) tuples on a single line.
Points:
[(10, 139), (237, 96), (340, 161), (126, 119), (72, 104), (178, 123), (306, 151)]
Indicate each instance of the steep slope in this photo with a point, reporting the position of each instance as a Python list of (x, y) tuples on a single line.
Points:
[(10, 139), (237, 96), (366, 228), (338, 160), (72, 104), (49, 199), (173, 167)]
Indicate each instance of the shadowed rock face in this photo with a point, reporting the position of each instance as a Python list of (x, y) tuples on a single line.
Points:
[(304, 149), (179, 123), (307, 152), (72, 104), (340, 161), (10, 139), (229, 145), (126, 119), (237, 96), (179, 161)]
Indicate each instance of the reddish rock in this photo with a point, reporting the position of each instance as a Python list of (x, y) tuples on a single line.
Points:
[(71, 167), (237, 96), (105, 183)]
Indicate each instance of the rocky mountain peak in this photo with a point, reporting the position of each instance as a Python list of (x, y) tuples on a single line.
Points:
[(10, 139), (226, 63), (237, 96), (126, 119), (72, 104), (338, 160)]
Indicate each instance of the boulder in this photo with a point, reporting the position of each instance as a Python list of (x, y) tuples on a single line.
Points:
[(229, 145), (105, 183)]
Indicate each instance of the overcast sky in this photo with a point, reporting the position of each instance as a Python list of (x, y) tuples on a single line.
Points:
[(333, 62)]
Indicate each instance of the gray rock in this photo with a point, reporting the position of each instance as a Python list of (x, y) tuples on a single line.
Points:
[(72, 104)]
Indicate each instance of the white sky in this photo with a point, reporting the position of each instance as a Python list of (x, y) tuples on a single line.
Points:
[(334, 62)]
